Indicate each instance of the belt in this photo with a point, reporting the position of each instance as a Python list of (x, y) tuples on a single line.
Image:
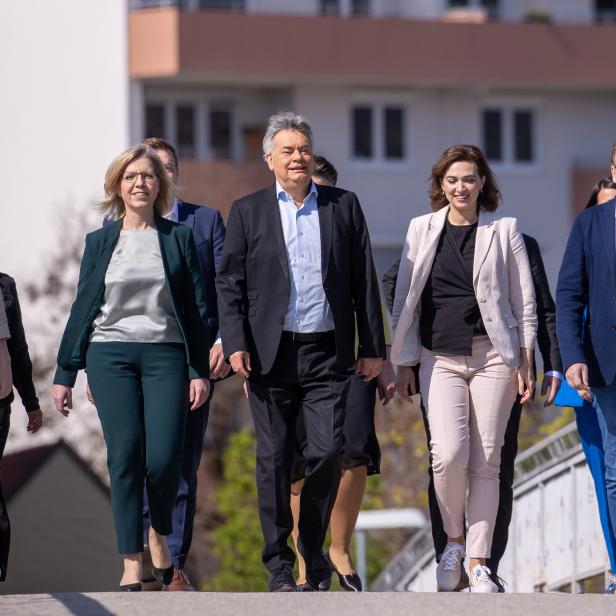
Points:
[(310, 337)]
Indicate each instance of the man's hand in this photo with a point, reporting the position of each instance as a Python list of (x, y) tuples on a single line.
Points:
[(35, 420), (62, 398), (577, 377), (6, 376), (219, 368), (369, 367), (89, 395), (199, 392), (553, 384), (240, 362), (386, 382), (405, 382)]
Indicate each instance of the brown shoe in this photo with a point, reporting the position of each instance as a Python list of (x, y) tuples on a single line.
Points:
[(179, 582)]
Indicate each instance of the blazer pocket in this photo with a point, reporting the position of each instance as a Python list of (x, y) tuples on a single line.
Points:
[(510, 319)]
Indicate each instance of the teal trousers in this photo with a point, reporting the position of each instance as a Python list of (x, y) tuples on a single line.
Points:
[(141, 394)]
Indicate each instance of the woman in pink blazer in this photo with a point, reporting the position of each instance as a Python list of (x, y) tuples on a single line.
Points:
[(465, 309)]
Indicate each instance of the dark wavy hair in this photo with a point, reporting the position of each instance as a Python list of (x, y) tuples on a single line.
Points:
[(597, 188), (490, 195)]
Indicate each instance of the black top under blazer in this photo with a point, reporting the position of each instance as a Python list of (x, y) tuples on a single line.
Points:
[(253, 281), (183, 274)]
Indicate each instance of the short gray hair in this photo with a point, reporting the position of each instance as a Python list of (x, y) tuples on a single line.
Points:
[(285, 120)]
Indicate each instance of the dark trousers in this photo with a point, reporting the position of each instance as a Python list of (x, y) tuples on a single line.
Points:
[(505, 504), (185, 508), (5, 525), (140, 391), (304, 381)]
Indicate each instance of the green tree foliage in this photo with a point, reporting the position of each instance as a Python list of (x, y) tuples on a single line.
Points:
[(238, 540)]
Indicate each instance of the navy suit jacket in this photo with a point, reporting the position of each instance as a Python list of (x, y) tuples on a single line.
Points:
[(209, 233), (587, 280)]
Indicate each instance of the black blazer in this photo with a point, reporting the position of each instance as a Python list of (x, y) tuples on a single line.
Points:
[(546, 310), (21, 365), (183, 274), (253, 281)]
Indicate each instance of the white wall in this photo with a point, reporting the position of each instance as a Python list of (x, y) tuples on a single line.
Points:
[(572, 130), (63, 116)]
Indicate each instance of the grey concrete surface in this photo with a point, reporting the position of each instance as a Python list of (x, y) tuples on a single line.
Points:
[(321, 604)]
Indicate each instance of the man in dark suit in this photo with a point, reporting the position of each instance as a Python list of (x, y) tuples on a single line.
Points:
[(552, 368), (587, 286), (296, 276), (209, 233)]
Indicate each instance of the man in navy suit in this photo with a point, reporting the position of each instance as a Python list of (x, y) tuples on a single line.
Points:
[(209, 233), (587, 282)]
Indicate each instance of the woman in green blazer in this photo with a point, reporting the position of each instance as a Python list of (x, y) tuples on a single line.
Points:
[(139, 327)]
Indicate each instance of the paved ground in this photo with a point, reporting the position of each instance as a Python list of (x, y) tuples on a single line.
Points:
[(334, 604)]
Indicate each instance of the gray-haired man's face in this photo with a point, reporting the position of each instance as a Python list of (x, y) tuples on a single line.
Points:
[(291, 158)]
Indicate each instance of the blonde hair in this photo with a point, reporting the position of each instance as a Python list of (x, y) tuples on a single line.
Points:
[(113, 205)]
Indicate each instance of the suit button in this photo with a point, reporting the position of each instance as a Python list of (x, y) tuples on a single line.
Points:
[(614, 327), (489, 320), (483, 301)]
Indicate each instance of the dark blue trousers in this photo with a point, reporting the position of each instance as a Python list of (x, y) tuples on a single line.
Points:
[(185, 507), (597, 428)]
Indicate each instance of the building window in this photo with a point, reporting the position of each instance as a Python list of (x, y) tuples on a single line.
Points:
[(605, 10), (393, 133), (360, 7), (523, 136), (490, 6), (220, 133), (509, 135), (154, 121), (330, 7), (185, 130), (222, 5), (493, 134), (362, 132)]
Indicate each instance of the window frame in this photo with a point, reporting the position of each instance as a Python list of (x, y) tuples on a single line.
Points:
[(378, 102), (508, 106)]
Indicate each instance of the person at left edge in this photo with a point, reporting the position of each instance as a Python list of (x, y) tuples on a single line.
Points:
[(296, 273), (139, 326), (209, 233), (21, 368)]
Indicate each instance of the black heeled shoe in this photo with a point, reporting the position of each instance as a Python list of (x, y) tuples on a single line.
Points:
[(164, 576), (350, 583), (136, 587)]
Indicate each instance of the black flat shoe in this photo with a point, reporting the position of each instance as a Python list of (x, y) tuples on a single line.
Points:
[(350, 583), (164, 576), (136, 587), (305, 587)]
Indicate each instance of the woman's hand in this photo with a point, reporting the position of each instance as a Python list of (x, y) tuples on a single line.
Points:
[(405, 382), (386, 382), (35, 420), (62, 398), (198, 392), (526, 378)]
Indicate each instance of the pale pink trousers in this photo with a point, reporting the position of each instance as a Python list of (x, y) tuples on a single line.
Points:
[(468, 401)]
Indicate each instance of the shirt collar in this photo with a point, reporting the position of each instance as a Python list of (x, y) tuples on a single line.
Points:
[(174, 213), (282, 194)]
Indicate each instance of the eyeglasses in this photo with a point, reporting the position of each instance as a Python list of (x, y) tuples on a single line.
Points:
[(146, 176)]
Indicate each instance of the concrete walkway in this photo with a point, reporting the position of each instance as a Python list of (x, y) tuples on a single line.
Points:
[(330, 604)]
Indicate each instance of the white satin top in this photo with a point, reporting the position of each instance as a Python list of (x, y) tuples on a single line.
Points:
[(137, 306)]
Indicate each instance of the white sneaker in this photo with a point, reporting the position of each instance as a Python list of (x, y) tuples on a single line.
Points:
[(449, 569), (481, 581)]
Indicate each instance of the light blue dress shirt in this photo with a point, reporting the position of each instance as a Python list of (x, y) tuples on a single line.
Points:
[(308, 310)]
